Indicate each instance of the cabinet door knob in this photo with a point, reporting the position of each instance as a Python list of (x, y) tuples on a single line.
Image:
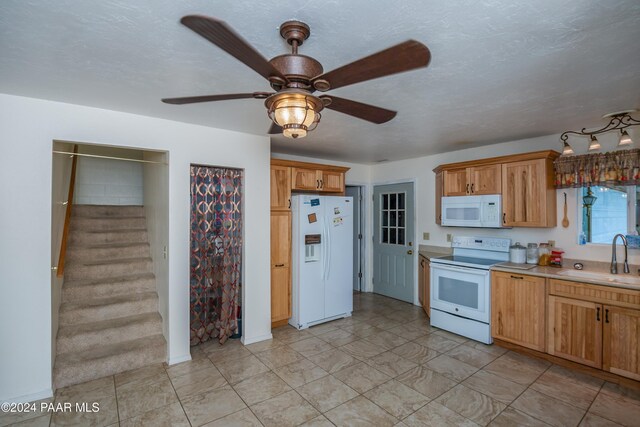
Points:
[(606, 315), (409, 252), (317, 183), (598, 314), (517, 277), (472, 188), (467, 188), (321, 183), (279, 265), (504, 217)]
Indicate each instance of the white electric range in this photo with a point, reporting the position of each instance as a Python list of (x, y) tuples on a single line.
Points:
[(461, 286)]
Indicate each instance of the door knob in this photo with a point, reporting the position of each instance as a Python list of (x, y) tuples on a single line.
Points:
[(409, 252)]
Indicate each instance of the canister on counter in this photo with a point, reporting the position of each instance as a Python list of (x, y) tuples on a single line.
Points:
[(517, 253), (532, 253), (544, 254)]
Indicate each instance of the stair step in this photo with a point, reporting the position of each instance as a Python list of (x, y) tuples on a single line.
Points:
[(73, 291), (79, 366), (90, 335), (107, 308), (84, 238), (107, 268), (78, 253), (88, 223), (107, 210)]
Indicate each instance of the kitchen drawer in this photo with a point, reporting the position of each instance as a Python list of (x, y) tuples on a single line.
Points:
[(595, 293)]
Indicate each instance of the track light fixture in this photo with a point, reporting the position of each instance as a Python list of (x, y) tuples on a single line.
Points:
[(617, 121)]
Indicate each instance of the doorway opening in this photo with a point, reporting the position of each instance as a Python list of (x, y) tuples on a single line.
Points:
[(109, 228), (357, 192), (216, 253)]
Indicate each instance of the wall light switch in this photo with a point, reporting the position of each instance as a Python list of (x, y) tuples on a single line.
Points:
[(164, 252), (425, 236), (552, 243), (449, 237)]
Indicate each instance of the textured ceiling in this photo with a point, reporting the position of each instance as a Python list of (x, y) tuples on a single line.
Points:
[(501, 70)]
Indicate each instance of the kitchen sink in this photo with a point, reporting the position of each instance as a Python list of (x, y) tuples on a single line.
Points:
[(605, 277)]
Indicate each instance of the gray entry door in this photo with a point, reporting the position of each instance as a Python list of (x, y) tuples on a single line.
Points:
[(356, 193), (393, 232)]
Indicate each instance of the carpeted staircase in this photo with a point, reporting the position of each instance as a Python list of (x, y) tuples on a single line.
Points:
[(109, 320)]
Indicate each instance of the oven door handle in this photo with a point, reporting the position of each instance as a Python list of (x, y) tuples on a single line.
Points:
[(435, 265)]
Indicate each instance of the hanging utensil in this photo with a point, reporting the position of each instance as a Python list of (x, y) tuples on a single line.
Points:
[(565, 220)]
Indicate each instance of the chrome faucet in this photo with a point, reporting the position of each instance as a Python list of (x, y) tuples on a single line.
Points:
[(614, 261)]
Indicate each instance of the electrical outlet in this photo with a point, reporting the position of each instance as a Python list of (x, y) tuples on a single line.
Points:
[(425, 236), (552, 243), (449, 237)]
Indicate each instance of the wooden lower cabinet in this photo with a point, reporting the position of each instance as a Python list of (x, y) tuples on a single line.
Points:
[(280, 266), (621, 341), (424, 284), (518, 309), (575, 330)]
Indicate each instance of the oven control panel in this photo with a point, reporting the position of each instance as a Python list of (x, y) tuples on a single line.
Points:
[(483, 243)]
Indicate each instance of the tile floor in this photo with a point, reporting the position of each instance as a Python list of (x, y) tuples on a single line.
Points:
[(385, 366)]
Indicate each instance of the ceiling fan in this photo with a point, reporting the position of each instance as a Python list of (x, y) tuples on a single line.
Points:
[(293, 107)]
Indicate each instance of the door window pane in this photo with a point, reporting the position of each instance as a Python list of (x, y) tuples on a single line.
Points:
[(392, 216)]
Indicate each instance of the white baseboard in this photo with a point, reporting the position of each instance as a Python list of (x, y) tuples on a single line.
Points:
[(44, 394), (179, 359), (252, 340)]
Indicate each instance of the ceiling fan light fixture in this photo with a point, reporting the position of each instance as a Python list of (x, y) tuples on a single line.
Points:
[(625, 139), (594, 144), (295, 112)]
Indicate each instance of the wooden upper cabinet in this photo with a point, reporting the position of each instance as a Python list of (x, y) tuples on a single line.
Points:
[(528, 196), (470, 181), (332, 181), (525, 181), (621, 341), (575, 330), (280, 188), (456, 182), (518, 309), (485, 179), (305, 179)]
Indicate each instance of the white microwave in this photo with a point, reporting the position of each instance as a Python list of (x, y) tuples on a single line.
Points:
[(472, 211)]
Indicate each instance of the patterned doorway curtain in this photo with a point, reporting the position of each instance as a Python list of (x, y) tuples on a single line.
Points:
[(216, 252)]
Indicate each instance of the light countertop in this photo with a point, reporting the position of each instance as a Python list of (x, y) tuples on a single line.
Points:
[(596, 273)]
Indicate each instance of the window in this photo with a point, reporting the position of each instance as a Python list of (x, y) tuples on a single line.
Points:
[(614, 211), (393, 216)]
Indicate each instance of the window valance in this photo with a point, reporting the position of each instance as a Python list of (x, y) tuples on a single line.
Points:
[(612, 168)]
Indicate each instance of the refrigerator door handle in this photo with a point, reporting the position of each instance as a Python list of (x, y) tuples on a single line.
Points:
[(324, 247), (328, 249)]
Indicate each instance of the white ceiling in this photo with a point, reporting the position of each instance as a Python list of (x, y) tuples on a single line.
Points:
[(501, 70)]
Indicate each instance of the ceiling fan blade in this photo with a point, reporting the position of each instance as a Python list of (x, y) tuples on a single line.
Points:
[(362, 111), (209, 98), (396, 59), (274, 129), (220, 34)]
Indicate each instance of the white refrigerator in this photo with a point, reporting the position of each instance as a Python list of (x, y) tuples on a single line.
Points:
[(322, 259)]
